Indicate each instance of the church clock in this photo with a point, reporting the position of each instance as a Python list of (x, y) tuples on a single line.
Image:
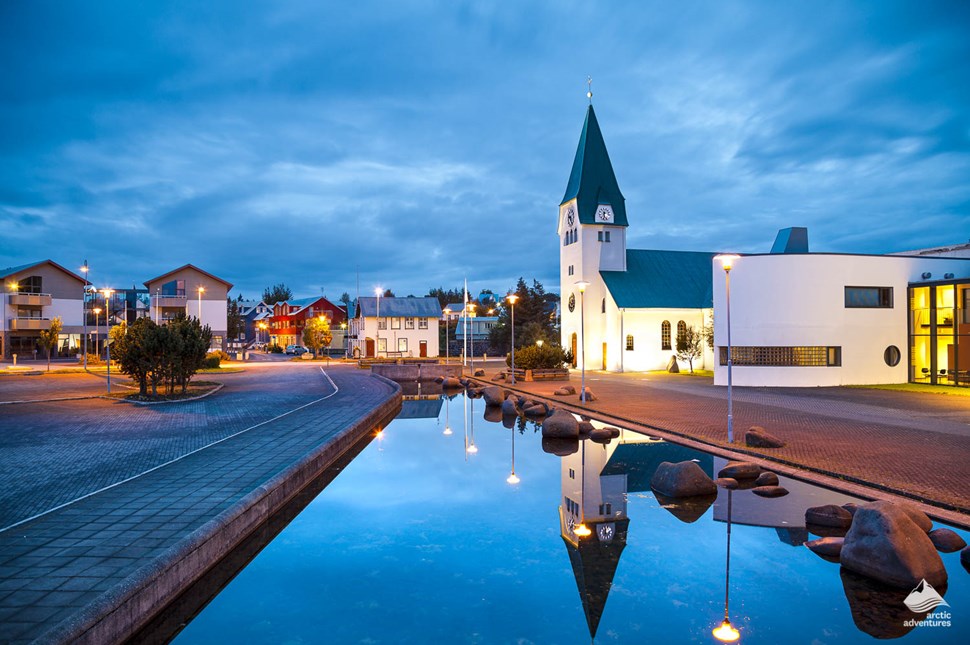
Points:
[(572, 302), (604, 214)]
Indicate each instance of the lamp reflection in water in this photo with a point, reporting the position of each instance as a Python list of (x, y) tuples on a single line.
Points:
[(726, 632), (513, 478), (581, 529), (447, 415), (471, 448)]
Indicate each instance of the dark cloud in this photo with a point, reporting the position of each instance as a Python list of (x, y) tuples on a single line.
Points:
[(419, 143)]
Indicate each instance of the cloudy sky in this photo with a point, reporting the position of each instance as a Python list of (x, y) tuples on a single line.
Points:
[(422, 142)]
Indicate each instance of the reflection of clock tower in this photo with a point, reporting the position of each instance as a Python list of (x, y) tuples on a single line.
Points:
[(592, 236)]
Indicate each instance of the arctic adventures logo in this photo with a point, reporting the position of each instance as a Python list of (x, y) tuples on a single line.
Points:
[(924, 598)]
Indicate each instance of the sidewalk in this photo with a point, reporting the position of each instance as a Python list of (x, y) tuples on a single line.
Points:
[(95, 566), (912, 444)]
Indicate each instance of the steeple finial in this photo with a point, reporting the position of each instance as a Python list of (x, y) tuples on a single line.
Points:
[(589, 89)]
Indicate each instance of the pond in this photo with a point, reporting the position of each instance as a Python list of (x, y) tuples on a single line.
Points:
[(422, 538)]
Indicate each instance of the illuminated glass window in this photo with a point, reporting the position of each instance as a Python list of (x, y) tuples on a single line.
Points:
[(665, 335), (818, 356), (869, 297), (629, 343)]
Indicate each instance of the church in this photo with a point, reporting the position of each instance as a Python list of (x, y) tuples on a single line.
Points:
[(622, 308)]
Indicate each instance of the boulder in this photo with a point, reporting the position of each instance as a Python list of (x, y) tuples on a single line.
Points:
[(884, 543), (535, 411), (451, 383), (601, 435), (494, 395), (740, 470), (590, 397), (877, 609), (479, 372), (568, 389), (758, 437), (766, 479), (672, 365), (439, 379), (683, 479), (510, 406), (499, 377), (686, 509), (560, 447), (562, 392), (852, 507), (827, 547), (585, 428), (509, 420), (614, 432), (493, 414), (561, 425), (965, 558), (726, 482), (828, 515), (770, 491), (827, 531), (946, 541), (921, 519)]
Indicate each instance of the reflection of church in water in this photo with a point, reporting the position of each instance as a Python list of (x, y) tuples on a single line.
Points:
[(593, 508)]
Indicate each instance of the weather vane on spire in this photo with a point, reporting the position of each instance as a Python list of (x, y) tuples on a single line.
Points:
[(589, 89)]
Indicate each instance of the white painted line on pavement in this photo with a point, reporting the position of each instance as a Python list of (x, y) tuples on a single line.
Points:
[(168, 463)]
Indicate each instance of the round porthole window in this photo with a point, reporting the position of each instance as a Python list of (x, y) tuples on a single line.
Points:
[(891, 356)]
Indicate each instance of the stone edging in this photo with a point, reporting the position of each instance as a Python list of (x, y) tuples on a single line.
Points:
[(218, 387), (128, 606), (827, 479)]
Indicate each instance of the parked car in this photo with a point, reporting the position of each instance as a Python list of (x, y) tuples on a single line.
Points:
[(296, 350)]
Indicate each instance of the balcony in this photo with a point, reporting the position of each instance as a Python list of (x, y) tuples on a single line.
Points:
[(30, 324), (163, 301), (30, 299)]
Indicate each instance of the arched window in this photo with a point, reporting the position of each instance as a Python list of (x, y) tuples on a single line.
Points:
[(681, 329), (665, 335), (603, 307), (629, 343)]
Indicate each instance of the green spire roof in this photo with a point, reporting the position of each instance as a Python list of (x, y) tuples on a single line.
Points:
[(592, 181)]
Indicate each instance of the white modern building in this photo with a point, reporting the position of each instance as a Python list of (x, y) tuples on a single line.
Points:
[(635, 302), (817, 319), (33, 295), (395, 327), (194, 292)]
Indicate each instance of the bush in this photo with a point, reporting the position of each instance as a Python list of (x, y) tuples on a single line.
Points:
[(212, 360), (275, 349), (218, 352), (534, 357)]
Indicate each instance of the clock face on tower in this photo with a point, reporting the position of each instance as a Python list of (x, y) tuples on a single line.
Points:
[(604, 213), (572, 302), (570, 216)]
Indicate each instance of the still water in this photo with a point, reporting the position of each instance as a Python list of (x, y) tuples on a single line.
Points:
[(420, 540)]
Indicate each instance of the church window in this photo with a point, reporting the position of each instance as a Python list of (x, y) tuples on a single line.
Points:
[(599, 236), (606, 236), (681, 329), (629, 342), (570, 269), (603, 307), (665, 335)]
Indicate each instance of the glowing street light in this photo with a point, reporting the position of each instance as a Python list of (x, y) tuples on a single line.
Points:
[(84, 310), (12, 286), (201, 291), (581, 285), (727, 263), (97, 330), (377, 346), (447, 416), (513, 478), (726, 632), (107, 336), (512, 298), (447, 313)]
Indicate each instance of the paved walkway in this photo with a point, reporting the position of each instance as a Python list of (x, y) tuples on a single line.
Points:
[(112, 487), (913, 444)]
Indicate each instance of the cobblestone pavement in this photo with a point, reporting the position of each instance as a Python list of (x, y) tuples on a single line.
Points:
[(914, 444), (34, 387), (54, 565)]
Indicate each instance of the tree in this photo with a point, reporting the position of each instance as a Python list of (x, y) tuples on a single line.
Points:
[(235, 325), (709, 330), (532, 318), (690, 345), (48, 338), (345, 300), (139, 351), (316, 334), (448, 297), (188, 343), (388, 294), (277, 293)]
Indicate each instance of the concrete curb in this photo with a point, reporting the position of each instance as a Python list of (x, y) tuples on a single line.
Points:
[(125, 609), (827, 479), (194, 398)]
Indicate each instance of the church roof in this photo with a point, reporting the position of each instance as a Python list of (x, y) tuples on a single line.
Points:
[(663, 280), (594, 565), (592, 181)]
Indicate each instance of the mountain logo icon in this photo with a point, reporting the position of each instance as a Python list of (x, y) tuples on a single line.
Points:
[(924, 598)]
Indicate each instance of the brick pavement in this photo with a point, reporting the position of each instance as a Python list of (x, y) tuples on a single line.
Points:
[(61, 569), (913, 444)]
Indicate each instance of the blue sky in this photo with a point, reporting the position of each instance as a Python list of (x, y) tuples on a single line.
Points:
[(423, 142)]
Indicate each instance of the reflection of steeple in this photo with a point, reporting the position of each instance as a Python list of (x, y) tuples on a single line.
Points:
[(594, 563)]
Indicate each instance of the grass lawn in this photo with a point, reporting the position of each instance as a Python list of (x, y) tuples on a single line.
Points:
[(917, 387)]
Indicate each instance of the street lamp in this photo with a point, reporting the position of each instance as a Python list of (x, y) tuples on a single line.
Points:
[(107, 336), (471, 341), (726, 632), (727, 262), (84, 310), (539, 343), (97, 330), (11, 286), (343, 328), (377, 345), (262, 327), (201, 291), (581, 285), (447, 313), (512, 298)]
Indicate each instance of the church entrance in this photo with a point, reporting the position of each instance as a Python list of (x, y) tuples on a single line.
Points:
[(574, 350)]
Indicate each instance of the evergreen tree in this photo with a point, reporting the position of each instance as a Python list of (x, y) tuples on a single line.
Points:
[(277, 293)]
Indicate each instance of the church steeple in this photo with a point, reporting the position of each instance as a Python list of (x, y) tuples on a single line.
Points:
[(592, 182)]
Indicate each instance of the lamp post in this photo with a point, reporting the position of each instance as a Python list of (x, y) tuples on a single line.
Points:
[(201, 291), (84, 311), (447, 415), (97, 330), (581, 285), (726, 632), (512, 298), (727, 262), (513, 478), (107, 333), (447, 312), (471, 341), (582, 530), (377, 343), (11, 286), (343, 328), (262, 328)]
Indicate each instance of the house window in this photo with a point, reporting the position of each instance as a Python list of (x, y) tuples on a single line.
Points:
[(395, 323), (33, 284), (382, 345), (665, 335), (422, 323), (409, 323), (629, 342), (382, 323), (869, 297), (784, 356), (402, 344)]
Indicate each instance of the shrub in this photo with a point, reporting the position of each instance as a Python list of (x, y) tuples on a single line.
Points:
[(275, 349), (218, 352), (534, 357), (212, 360)]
